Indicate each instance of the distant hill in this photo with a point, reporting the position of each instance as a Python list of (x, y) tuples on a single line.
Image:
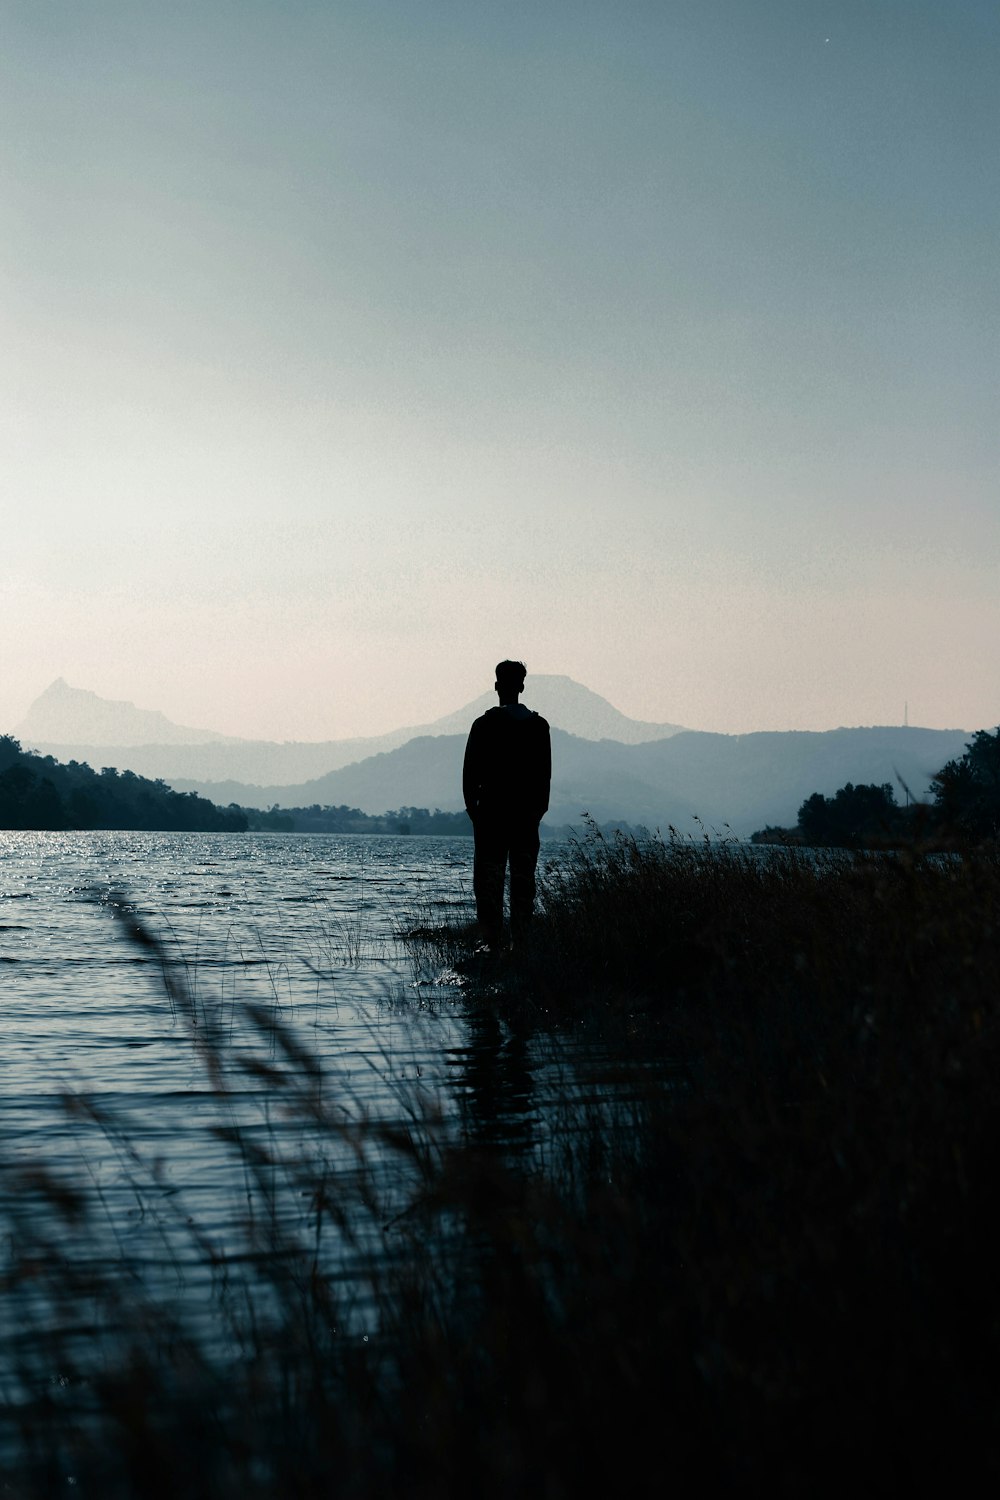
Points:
[(567, 705), (65, 722), (37, 792), (745, 781), (73, 718)]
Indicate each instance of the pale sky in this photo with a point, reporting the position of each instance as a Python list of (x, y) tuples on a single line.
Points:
[(350, 345)]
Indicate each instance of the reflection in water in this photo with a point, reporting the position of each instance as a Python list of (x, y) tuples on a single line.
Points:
[(493, 1084)]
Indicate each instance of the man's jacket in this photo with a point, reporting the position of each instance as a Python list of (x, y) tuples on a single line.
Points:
[(508, 764)]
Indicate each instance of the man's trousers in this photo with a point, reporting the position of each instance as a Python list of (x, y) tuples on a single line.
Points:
[(503, 841)]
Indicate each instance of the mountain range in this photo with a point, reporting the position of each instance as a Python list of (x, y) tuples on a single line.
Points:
[(603, 762), (74, 718), (73, 724), (742, 782)]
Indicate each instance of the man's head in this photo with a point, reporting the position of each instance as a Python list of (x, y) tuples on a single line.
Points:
[(510, 680)]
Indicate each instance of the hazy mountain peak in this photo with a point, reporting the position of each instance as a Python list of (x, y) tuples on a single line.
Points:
[(566, 704), (65, 715), (72, 722)]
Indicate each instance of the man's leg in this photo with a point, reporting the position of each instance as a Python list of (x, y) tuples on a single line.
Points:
[(524, 846), (488, 869)]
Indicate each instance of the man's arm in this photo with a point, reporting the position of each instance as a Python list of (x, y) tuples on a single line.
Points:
[(548, 769), (543, 780), (472, 772)]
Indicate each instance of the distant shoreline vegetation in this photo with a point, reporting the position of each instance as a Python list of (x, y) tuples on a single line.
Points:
[(41, 794), (343, 819), (418, 821), (38, 792), (966, 805)]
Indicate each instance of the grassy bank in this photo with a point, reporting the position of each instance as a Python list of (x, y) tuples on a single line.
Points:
[(775, 1268)]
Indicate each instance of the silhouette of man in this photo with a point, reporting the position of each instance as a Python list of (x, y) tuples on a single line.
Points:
[(505, 780)]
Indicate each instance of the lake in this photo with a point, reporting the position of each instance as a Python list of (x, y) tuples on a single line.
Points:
[(167, 1083), (306, 924)]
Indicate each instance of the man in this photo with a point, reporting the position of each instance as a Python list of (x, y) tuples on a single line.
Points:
[(505, 779)]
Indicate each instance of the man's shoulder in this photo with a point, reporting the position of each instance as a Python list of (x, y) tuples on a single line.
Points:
[(523, 715), (484, 724), (495, 717)]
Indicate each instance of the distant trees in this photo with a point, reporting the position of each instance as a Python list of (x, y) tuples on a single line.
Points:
[(966, 806), (38, 792), (28, 800), (967, 790), (419, 820), (343, 819), (853, 816)]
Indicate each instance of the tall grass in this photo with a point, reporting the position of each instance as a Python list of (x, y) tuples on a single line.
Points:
[(821, 1190), (773, 1267)]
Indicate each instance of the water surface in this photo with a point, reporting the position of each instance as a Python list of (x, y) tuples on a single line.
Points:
[(198, 1091)]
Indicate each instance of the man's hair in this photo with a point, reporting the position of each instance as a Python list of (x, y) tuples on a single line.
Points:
[(511, 672)]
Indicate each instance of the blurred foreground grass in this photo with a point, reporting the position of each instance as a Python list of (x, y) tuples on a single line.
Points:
[(778, 1271)]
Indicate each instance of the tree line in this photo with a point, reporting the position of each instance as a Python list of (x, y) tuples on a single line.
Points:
[(402, 820), (39, 792), (965, 806), (343, 819)]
